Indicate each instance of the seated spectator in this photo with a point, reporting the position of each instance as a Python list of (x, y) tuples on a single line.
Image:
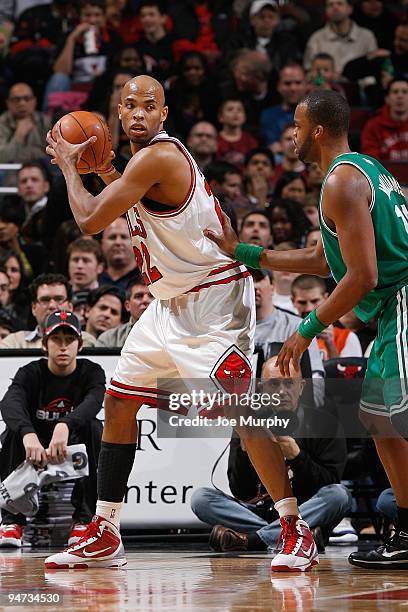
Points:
[(138, 298), (8, 324), (291, 186), (267, 34), (85, 52), (374, 15), (258, 172), (155, 44), (233, 142), (4, 289), (49, 292), (33, 185), (315, 464), (120, 265), (341, 37), (311, 209), (256, 229), (291, 88), (249, 80), (200, 26), (385, 136), (322, 73), (19, 304), (202, 143), (382, 64), (192, 95), (282, 281), (275, 325), (120, 18), (11, 220), (105, 310), (290, 161), (226, 184), (288, 221), (312, 238), (308, 293), (23, 129), (225, 180), (50, 404), (85, 264)]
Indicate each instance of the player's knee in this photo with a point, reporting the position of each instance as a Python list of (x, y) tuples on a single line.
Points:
[(399, 422)]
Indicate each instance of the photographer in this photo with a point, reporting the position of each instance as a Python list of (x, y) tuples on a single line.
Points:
[(50, 404), (315, 456)]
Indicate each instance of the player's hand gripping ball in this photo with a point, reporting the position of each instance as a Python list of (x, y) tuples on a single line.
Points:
[(79, 126)]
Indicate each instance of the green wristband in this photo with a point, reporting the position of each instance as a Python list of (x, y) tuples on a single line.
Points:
[(249, 254), (311, 326)]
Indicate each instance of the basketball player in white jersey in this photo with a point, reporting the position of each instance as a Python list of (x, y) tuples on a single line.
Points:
[(188, 331)]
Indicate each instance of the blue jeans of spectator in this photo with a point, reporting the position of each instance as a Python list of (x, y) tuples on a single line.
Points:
[(325, 509), (57, 82), (387, 505)]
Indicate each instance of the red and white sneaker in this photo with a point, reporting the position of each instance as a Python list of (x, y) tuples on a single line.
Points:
[(299, 552), (78, 531), (101, 546), (11, 535)]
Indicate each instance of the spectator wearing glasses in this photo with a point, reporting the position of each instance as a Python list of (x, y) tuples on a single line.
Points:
[(49, 292), (22, 128)]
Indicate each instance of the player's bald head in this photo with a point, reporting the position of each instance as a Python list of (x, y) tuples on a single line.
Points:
[(146, 86)]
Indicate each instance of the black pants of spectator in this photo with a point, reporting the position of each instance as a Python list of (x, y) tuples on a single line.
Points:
[(84, 493)]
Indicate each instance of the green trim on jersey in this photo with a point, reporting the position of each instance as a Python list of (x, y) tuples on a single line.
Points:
[(389, 213)]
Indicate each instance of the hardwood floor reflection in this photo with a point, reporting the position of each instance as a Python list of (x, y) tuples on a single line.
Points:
[(198, 581)]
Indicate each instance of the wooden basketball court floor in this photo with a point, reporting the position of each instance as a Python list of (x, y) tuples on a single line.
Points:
[(185, 579)]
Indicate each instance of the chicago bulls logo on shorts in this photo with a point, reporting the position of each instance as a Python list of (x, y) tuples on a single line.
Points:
[(232, 372)]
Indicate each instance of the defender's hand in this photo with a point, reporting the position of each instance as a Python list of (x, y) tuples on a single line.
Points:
[(292, 351), (228, 240), (63, 153)]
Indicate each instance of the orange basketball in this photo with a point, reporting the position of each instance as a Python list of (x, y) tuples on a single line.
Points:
[(78, 126)]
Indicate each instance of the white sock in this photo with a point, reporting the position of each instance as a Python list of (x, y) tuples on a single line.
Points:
[(109, 511), (287, 507)]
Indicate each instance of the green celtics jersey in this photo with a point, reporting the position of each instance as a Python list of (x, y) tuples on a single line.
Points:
[(389, 213)]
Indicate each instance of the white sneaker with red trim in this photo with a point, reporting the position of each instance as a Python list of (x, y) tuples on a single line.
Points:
[(298, 552), (101, 546), (11, 536)]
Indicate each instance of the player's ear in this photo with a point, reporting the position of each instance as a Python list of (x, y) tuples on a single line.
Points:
[(80, 344), (319, 131), (120, 111), (164, 113)]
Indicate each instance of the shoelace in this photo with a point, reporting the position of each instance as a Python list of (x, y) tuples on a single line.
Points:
[(289, 536)]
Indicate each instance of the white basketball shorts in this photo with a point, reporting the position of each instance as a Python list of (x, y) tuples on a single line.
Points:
[(205, 334)]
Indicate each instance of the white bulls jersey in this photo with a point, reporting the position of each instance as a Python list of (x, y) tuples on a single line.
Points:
[(169, 244)]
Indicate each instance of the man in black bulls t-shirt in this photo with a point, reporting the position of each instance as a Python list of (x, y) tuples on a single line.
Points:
[(52, 403)]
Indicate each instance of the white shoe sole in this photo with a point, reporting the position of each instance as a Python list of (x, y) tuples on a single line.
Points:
[(298, 568), (10, 542), (119, 562)]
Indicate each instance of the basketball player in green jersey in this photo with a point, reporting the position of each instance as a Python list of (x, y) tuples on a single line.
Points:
[(364, 228)]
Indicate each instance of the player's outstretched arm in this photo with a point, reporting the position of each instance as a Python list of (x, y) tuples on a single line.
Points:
[(304, 261), (347, 198), (94, 213)]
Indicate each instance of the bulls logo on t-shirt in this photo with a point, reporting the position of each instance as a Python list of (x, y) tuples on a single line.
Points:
[(55, 409), (232, 373)]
